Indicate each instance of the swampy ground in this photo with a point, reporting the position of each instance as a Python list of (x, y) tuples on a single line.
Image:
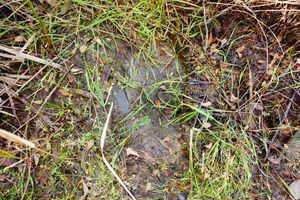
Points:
[(205, 99)]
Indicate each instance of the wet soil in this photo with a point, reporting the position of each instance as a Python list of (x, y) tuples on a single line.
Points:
[(229, 73), (239, 64)]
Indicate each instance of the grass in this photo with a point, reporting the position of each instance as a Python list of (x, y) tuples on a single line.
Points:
[(223, 147)]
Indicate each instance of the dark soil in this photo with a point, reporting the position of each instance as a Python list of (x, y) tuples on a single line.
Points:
[(235, 72)]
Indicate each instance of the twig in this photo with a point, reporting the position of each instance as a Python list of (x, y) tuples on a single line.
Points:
[(20, 55), (12, 137), (102, 141)]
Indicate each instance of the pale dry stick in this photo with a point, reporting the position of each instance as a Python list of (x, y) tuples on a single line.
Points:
[(102, 141), (14, 164), (20, 55), (9, 56), (12, 137), (192, 131), (290, 2), (6, 113), (206, 29)]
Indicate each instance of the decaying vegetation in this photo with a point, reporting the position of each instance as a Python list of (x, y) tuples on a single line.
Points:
[(204, 94)]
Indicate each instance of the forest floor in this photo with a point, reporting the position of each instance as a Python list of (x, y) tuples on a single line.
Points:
[(205, 99)]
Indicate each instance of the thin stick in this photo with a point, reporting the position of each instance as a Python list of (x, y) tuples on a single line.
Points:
[(20, 55), (12, 137), (102, 141)]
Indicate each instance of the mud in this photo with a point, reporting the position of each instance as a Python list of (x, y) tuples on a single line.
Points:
[(152, 134)]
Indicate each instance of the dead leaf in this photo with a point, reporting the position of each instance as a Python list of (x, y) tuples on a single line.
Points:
[(3, 177), (52, 3), (208, 146), (258, 106), (186, 19), (156, 172), (223, 41), (279, 36), (85, 190), (239, 51), (210, 39), (148, 158), (130, 151), (19, 38), (65, 92), (44, 181), (90, 144), (38, 102), (274, 160), (205, 176), (4, 162), (51, 77), (233, 98), (157, 102), (295, 189), (73, 52), (64, 9), (206, 104), (270, 69), (83, 48), (36, 158), (206, 124)]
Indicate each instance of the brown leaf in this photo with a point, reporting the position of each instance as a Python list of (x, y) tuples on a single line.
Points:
[(148, 158), (19, 38), (85, 190), (44, 181), (83, 48), (208, 146), (233, 98), (210, 39), (206, 124), (130, 151), (223, 41), (259, 106), (156, 172), (65, 92), (3, 177), (38, 102), (36, 158), (52, 3), (239, 51), (90, 144), (4, 162), (206, 104), (274, 160), (157, 102), (186, 19)]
